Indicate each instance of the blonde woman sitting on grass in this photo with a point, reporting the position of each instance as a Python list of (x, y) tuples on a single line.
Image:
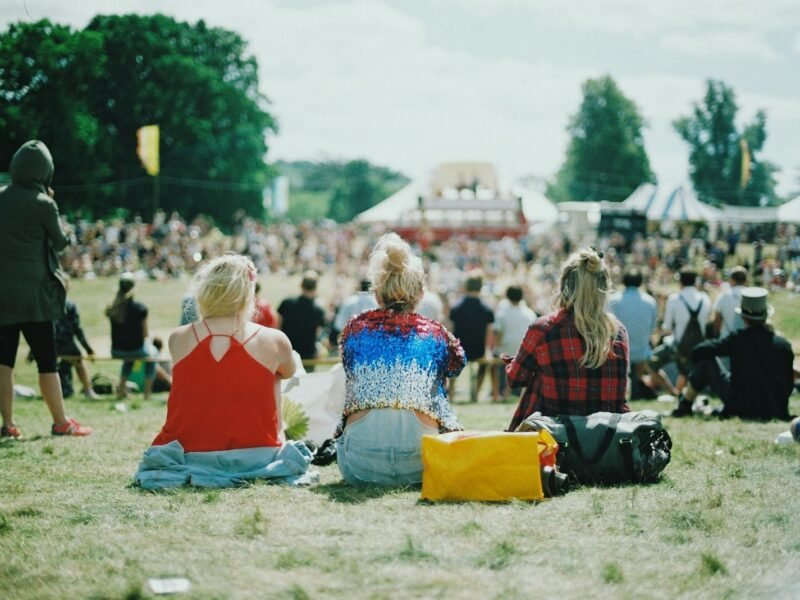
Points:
[(575, 360), (396, 364), (223, 415)]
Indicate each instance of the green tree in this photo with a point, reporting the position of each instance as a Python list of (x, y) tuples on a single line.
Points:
[(355, 192), (606, 159), (86, 93), (47, 75), (715, 150), (339, 190), (201, 87)]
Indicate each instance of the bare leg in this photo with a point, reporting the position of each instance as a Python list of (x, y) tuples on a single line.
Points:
[(148, 388), (7, 394), (660, 380), (496, 375), (122, 389), (681, 381), (479, 381), (83, 375), (689, 393), (50, 385)]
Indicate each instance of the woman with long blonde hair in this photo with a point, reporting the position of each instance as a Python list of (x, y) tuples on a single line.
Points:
[(575, 360)]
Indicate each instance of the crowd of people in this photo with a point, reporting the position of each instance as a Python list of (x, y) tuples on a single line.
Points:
[(415, 320)]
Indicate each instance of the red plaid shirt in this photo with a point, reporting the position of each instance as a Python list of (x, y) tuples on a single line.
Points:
[(547, 364)]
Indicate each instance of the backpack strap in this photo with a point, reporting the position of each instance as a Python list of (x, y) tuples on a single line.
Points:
[(626, 449), (572, 436), (692, 313)]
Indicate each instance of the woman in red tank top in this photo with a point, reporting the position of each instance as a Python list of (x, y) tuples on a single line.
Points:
[(226, 375)]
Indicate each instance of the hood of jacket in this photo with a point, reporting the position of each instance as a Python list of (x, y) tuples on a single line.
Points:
[(32, 166)]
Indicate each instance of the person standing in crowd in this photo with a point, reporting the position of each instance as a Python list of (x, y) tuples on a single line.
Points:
[(761, 377), (68, 329), (509, 328), (685, 308), (472, 324), (263, 313), (301, 318), (129, 335), (34, 291), (725, 319), (396, 365), (575, 360), (637, 311), (431, 306), (362, 300)]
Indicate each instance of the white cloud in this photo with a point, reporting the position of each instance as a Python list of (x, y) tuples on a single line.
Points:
[(635, 16), (368, 79), (733, 45)]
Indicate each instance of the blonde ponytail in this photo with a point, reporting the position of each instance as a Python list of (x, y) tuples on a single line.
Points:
[(583, 288)]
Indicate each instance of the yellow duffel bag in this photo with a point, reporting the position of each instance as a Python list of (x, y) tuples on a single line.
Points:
[(492, 466)]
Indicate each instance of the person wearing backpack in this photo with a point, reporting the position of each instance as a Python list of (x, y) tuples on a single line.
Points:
[(761, 377), (686, 313)]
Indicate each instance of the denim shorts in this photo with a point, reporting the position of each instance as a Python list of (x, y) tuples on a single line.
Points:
[(383, 447), (129, 356)]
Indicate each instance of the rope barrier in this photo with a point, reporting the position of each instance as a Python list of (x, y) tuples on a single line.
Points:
[(307, 362)]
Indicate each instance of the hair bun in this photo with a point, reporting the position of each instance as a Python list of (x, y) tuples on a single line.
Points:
[(594, 264), (396, 255)]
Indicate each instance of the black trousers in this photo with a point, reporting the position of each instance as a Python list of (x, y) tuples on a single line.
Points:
[(710, 374), (41, 337)]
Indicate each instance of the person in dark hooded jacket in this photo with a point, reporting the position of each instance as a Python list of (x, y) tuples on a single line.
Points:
[(33, 293)]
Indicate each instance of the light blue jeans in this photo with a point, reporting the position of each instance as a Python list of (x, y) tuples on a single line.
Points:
[(383, 447)]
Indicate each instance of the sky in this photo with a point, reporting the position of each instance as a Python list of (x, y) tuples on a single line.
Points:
[(412, 83)]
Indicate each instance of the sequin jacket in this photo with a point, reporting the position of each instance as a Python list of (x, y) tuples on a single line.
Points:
[(400, 360)]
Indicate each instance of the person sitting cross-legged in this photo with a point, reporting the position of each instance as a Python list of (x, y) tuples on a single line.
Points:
[(396, 365), (223, 421), (575, 360), (761, 376)]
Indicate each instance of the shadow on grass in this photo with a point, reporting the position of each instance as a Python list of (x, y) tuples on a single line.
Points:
[(345, 493), (7, 443)]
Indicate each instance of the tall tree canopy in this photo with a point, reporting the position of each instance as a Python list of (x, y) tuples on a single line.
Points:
[(716, 148), (335, 189), (606, 159), (85, 93)]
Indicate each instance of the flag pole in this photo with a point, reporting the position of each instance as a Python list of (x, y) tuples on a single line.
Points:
[(156, 194)]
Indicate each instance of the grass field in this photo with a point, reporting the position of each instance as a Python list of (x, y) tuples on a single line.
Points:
[(723, 523)]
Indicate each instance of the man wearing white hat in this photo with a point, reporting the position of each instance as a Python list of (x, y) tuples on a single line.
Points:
[(761, 376)]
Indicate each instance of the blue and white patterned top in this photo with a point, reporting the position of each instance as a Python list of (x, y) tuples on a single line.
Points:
[(400, 360)]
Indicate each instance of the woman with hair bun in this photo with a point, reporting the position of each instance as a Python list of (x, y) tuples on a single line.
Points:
[(396, 365), (225, 390), (575, 360)]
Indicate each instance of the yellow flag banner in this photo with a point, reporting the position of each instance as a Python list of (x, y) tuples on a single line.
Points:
[(147, 148), (745, 178)]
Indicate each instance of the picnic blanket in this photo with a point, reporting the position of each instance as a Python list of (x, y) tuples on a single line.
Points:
[(168, 466)]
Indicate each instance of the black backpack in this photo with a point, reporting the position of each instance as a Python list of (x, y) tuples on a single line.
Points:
[(608, 447), (693, 334)]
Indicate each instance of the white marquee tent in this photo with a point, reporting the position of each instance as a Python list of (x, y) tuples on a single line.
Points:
[(402, 206), (539, 211), (642, 198), (790, 211), (390, 210), (681, 204)]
